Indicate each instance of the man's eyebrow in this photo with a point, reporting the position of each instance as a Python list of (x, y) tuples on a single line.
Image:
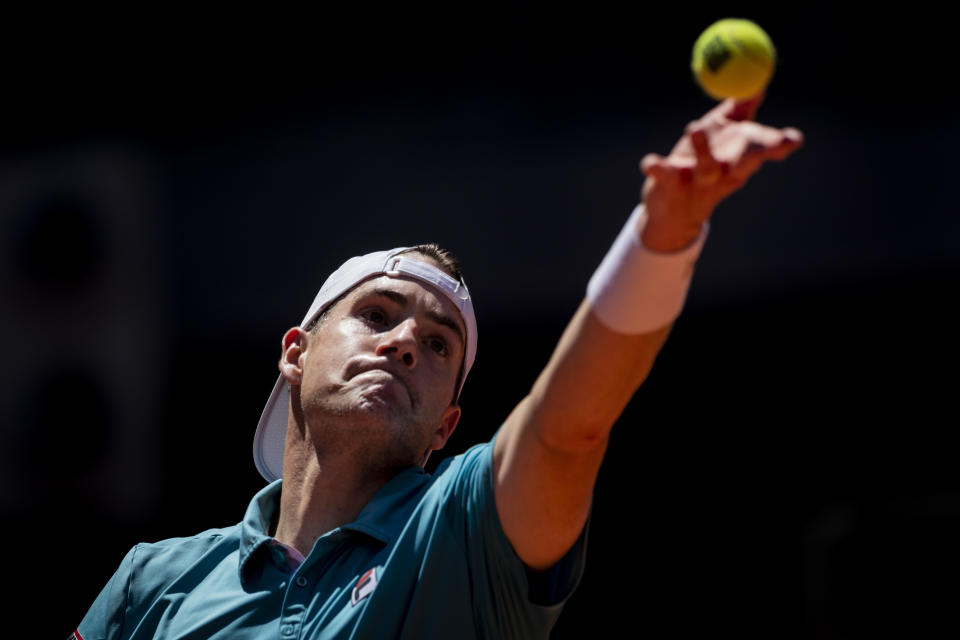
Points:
[(439, 318), (399, 298), (446, 321)]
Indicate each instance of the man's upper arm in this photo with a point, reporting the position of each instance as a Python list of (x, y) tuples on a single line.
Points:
[(548, 452), (105, 617)]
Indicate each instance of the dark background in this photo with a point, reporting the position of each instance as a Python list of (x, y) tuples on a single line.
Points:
[(174, 187)]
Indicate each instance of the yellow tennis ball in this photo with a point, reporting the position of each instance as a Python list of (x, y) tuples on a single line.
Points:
[(733, 58)]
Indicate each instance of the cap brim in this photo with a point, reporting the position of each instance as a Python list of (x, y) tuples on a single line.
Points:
[(271, 434)]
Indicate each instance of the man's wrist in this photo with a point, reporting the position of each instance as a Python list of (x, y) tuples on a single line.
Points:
[(637, 289), (669, 237)]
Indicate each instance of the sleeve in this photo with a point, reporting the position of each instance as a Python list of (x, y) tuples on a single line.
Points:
[(105, 618), (517, 601)]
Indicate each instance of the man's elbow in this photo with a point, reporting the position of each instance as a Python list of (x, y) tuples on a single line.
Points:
[(573, 437)]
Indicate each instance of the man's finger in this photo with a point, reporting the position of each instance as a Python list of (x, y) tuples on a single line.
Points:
[(749, 164), (706, 164), (788, 145), (779, 144), (775, 145), (744, 109), (793, 135), (653, 166)]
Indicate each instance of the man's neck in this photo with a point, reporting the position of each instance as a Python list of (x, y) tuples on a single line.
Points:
[(321, 492)]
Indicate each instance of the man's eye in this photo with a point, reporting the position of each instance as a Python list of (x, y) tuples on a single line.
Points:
[(375, 316), (438, 346)]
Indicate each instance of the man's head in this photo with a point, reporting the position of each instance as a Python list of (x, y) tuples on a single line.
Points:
[(421, 299)]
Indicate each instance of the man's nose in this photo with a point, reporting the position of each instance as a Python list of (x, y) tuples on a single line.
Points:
[(401, 343)]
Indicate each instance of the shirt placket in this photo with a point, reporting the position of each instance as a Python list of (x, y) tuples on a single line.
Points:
[(309, 574)]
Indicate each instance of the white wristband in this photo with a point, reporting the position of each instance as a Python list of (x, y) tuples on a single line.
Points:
[(636, 290)]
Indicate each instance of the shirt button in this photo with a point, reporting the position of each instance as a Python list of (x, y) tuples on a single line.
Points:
[(301, 581), (287, 630)]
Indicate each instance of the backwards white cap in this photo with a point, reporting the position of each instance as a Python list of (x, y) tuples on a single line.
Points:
[(271, 433)]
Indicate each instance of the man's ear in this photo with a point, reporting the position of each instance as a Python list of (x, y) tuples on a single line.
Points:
[(291, 356), (451, 416), (448, 422)]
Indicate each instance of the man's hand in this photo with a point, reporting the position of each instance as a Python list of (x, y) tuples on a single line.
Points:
[(716, 156)]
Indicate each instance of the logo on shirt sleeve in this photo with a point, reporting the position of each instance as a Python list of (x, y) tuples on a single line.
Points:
[(75, 635), (364, 587)]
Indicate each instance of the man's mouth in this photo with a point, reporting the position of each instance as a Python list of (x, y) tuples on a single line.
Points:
[(381, 373)]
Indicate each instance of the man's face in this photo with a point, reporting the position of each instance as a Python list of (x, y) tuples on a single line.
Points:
[(379, 372)]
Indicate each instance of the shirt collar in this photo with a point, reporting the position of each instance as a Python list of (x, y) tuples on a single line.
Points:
[(382, 518), (255, 528), (389, 509)]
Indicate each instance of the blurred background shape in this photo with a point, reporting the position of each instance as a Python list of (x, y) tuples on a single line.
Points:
[(85, 326)]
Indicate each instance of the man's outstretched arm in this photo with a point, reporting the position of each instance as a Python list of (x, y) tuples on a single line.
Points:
[(548, 452)]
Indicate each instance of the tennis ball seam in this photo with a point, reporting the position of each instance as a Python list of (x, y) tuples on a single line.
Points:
[(752, 56)]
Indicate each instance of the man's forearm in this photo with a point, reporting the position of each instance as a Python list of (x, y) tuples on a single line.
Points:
[(592, 374)]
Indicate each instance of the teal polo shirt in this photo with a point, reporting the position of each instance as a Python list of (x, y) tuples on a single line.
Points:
[(426, 558)]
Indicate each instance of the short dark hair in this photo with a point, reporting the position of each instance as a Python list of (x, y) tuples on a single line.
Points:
[(447, 262)]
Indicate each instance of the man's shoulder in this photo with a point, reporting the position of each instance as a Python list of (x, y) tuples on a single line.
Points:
[(174, 554), (479, 453), (461, 482), (470, 464), (199, 540)]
